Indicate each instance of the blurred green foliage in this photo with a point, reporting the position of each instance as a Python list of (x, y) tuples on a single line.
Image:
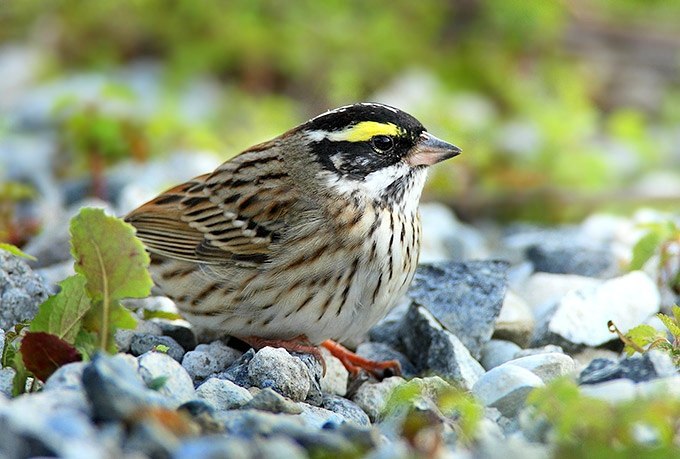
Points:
[(542, 136), (583, 426)]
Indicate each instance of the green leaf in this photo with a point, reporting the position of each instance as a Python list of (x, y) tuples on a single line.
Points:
[(86, 343), (149, 314), (20, 377), (117, 317), (670, 324), (62, 314), (16, 251), (642, 335), (157, 383), (109, 255), (162, 348), (644, 249), (676, 313)]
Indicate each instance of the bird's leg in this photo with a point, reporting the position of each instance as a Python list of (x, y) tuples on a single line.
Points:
[(298, 344), (354, 363)]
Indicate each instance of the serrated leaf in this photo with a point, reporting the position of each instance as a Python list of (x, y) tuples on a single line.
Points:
[(148, 314), (644, 249), (62, 314), (643, 335), (670, 324), (676, 313), (109, 255), (14, 250), (43, 353)]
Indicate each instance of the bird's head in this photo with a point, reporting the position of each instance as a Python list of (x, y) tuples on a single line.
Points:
[(371, 150)]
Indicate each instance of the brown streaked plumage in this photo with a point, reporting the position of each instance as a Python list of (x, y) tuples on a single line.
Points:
[(311, 236)]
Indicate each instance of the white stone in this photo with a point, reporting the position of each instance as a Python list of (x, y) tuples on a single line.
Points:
[(178, 385), (372, 397), (614, 391), (496, 352), (544, 290), (277, 369), (506, 388), (582, 315), (335, 379), (546, 366)]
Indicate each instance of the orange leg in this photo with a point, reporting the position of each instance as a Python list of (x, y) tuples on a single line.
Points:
[(297, 344), (354, 363)]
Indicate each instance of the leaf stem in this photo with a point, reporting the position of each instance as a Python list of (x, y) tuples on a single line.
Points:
[(104, 338)]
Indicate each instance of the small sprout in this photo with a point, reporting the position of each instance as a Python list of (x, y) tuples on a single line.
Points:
[(157, 383), (162, 348), (14, 250)]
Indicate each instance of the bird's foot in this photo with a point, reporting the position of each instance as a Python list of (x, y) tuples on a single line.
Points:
[(355, 363), (297, 344)]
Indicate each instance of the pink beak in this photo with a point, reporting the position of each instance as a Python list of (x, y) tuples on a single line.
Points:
[(430, 150)]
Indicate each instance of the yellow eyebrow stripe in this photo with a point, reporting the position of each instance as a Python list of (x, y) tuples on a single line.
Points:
[(365, 130)]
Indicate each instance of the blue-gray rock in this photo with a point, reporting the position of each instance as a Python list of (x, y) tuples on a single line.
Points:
[(638, 368), (69, 376), (223, 394), (275, 368), (431, 348), (209, 359), (571, 257), (21, 291), (506, 388), (269, 400), (347, 409), (382, 351), (124, 336), (316, 417), (465, 298), (497, 352), (315, 372), (116, 390), (175, 382), (6, 381), (239, 448), (184, 336), (142, 343)]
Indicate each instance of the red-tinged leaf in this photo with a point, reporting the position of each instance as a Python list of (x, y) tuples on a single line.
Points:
[(43, 353)]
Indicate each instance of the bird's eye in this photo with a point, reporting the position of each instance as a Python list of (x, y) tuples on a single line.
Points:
[(382, 143)]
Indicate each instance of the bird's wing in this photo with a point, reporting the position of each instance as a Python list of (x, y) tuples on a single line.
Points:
[(231, 215)]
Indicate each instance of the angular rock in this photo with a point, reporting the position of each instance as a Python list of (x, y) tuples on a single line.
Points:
[(223, 394), (269, 400), (21, 291), (569, 257), (275, 368), (431, 348), (372, 397), (497, 352), (238, 371), (547, 366), (124, 336), (116, 390), (465, 298), (347, 409), (506, 388), (314, 372), (580, 318), (208, 359), (316, 417), (646, 367), (176, 382)]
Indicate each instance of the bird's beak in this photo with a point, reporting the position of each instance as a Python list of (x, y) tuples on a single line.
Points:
[(430, 150)]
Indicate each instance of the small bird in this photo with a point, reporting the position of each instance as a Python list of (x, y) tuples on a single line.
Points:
[(304, 240)]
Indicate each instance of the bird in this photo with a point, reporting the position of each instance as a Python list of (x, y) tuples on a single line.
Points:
[(305, 240)]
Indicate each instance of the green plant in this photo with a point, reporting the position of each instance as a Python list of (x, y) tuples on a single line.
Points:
[(644, 337), (662, 239), (587, 427), (11, 195), (110, 264)]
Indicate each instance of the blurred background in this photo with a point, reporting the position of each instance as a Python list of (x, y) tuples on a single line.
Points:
[(562, 109)]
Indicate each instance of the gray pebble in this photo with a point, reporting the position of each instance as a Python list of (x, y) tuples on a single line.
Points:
[(506, 387), (269, 400), (347, 409), (21, 290), (208, 359), (223, 394), (277, 369), (176, 385), (497, 352), (142, 343), (372, 397)]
